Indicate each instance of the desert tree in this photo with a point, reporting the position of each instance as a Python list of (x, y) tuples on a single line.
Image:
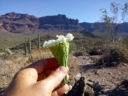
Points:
[(124, 10), (108, 24), (113, 19)]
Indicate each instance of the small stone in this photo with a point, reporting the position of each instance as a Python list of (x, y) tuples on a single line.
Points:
[(110, 73), (125, 64)]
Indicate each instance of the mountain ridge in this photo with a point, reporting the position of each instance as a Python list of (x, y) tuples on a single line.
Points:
[(25, 23)]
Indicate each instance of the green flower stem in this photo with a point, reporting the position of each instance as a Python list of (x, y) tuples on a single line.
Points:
[(60, 52)]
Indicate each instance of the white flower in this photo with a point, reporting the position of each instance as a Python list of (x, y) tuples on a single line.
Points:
[(78, 76), (60, 49), (69, 37), (60, 39)]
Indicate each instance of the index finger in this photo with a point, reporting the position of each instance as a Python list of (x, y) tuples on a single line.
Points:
[(42, 65)]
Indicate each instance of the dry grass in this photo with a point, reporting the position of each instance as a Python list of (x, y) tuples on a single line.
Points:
[(38, 54), (9, 67), (73, 67)]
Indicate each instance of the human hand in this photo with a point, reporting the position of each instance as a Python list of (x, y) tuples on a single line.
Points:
[(33, 80)]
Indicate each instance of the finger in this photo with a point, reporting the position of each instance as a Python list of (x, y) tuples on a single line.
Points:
[(55, 78), (51, 64), (38, 65), (45, 74), (27, 76), (60, 91), (44, 64)]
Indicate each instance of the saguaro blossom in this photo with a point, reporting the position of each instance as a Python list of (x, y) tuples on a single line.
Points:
[(60, 48)]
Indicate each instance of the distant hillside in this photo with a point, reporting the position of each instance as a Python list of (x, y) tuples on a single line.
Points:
[(24, 23), (100, 26), (59, 22)]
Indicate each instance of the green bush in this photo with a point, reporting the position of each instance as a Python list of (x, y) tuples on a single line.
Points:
[(73, 47)]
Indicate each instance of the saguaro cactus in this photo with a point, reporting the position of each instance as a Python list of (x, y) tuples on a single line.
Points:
[(29, 45), (39, 42), (25, 48)]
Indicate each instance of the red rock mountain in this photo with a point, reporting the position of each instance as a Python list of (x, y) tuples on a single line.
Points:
[(24, 23)]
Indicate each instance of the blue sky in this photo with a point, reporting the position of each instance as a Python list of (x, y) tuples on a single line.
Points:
[(83, 10)]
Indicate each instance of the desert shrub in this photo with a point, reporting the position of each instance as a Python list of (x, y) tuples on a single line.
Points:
[(110, 58), (124, 53), (6, 53), (88, 48), (125, 41), (73, 47), (96, 51), (113, 56), (78, 53)]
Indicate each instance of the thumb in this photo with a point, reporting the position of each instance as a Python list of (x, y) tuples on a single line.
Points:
[(56, 78)]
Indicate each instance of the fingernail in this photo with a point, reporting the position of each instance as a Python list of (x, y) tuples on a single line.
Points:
[(63, 70)]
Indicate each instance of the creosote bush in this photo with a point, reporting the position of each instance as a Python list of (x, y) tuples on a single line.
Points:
[(124, 53), (113, 56)]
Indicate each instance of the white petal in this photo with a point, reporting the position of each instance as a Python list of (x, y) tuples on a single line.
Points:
[(69, 37), (60, 39)]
